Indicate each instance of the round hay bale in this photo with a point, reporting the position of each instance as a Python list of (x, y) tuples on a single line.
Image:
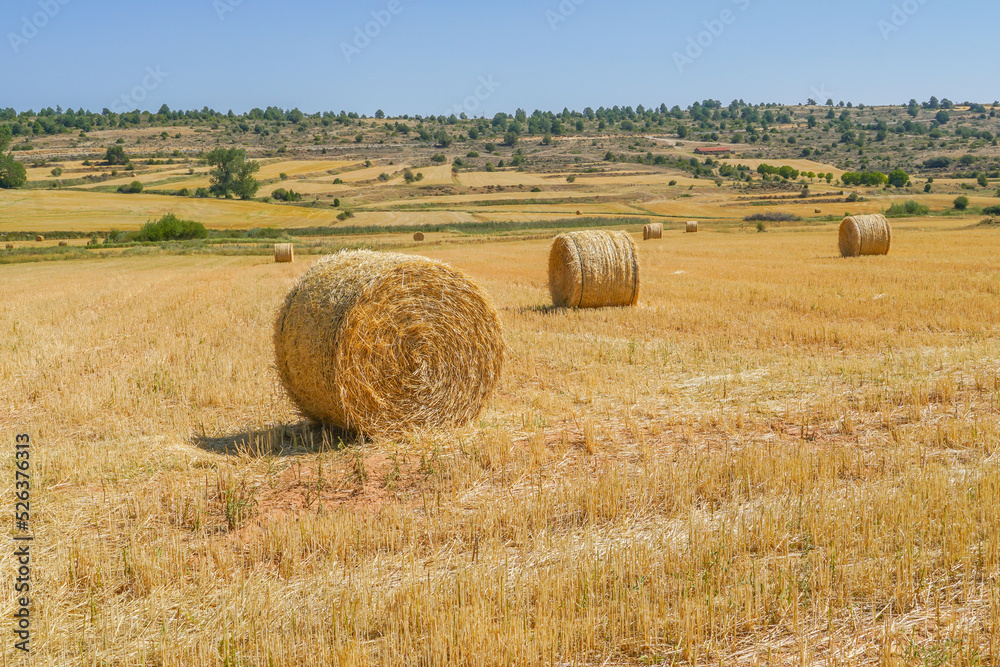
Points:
[(692, 227), (385, 344), (594, 269), (63, 244), (419, 236), (284, 253), (579, 212), (652, 231), (39, 238), (865, 235)]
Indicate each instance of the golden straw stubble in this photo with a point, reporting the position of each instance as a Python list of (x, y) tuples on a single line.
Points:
[(865, 235), (594, 269), (385, 344)]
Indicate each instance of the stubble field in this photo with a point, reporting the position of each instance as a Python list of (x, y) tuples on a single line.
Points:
[(779, 457)]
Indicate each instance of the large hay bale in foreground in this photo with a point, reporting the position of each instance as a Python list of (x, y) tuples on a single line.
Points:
[(692, 227), (652, 231), (419, 236), (39, 238), (284, 253), (384, 344), (865, 235), (594, 269)]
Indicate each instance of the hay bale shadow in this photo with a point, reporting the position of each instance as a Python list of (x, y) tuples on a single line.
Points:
[(540, 310), (280, 440)]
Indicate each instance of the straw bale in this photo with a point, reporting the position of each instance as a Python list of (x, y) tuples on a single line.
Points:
[(594, 269), (385, 344), (652, 231), (284, 253), (865, 235), (691, 227)]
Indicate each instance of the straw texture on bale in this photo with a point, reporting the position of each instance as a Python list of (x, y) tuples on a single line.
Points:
[(652, 231), (63, 244), (419, 236), (385, 344), (692, 227), (594, 269), (39, 238), (284, 253), (865, 235)]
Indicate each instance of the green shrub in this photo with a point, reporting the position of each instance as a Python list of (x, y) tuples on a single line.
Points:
[(171, 228), (992, 210), (281, 194), (438, 157), (910, 208), (57, 172), (201, 193), (961, 203), (134, 187), (536, 189), (183, 192), (571, 178)]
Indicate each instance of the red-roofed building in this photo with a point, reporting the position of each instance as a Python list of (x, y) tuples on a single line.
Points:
[(714, 150)]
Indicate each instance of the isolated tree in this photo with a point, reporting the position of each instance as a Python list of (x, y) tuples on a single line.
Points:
[(116, 155), (233, 173), (942, 117), (962, 203), (899, 178)]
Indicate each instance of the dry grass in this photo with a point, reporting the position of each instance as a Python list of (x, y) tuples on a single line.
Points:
[(778, 458)]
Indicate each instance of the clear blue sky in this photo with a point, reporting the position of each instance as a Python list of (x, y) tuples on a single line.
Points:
[(430, 56)]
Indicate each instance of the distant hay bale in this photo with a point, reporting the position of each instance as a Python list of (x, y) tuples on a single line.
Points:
[(284, 253), (63, 244), (579, 212), (594, 269), (419, 236), (817, 210), (692, 227), (385, 344), (652, 231), (39, 238), (865, 235)]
